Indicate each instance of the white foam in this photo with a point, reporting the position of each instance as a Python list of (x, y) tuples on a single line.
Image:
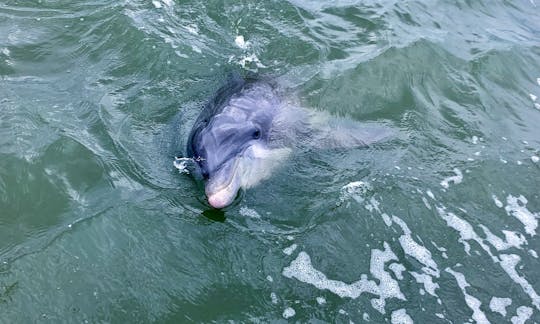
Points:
[(302, 270), (523, 313), (269, 278), (168, 2), (537, 105), (533, 253), (511, 239), (365, 317), (466, 231), (424, 200), (533, 97), (498, 203), (455, 179), (400, 316), (474, 140), (273, 298), (288, 312), (535, 158), (499, 305), (386, 219), (356, 190), (251, 58), (181, 164), (508, 263), (321, 300), (156, 4), (397, 269), (248, 212), (516, 207), (538, 81), (473, 303), (415, 250), (427, 280), (289, 250), (240, 42), (430, 194)]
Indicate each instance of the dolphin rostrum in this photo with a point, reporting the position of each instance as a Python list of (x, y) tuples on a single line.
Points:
[(248, 128)]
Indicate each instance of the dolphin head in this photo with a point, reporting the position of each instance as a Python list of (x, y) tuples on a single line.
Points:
[(231, 144)]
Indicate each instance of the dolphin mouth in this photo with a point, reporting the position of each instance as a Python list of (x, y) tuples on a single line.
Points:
[(222, 194)]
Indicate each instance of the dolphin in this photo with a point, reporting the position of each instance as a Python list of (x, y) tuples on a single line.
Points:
[(250, 127)]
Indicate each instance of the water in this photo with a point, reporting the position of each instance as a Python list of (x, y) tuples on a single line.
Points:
[(439, 225)]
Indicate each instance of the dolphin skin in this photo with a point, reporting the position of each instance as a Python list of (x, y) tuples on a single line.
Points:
[(249, 128)]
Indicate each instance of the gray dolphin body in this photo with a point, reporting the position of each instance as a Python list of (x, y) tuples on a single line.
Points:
[(248, 128)]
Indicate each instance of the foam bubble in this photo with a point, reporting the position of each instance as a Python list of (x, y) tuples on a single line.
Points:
[(289, 312), (289, 250), (455, 179), (508, 263), (498, 203), (474, 139), (430, 194), (523, 313), (302, 270), (424, 200), (397, 269), (269, 278), (181, 164), (415, 250), (533, 97), (321, 300), (273, 298), (471, 301), (535, 158), (400, 316), (356, 190), (499, 305), (248, 212), (516, 207), (466, 231), (511, 239), (156, 4), (240, 42), (427, 280)]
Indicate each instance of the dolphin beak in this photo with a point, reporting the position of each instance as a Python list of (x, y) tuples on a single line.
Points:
[(223, 188), (220, 199)]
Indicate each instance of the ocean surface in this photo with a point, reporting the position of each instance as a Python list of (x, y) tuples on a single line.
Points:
[(439, 225)]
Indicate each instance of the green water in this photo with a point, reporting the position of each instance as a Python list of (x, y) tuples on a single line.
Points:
[(438, 225)]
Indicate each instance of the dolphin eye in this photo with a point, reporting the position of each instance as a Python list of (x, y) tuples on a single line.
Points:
[(257, 134)]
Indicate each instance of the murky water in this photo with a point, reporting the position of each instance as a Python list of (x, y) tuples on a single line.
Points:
[(439, 225)]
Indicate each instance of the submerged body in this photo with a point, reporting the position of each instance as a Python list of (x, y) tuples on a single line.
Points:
[(247, 129)]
